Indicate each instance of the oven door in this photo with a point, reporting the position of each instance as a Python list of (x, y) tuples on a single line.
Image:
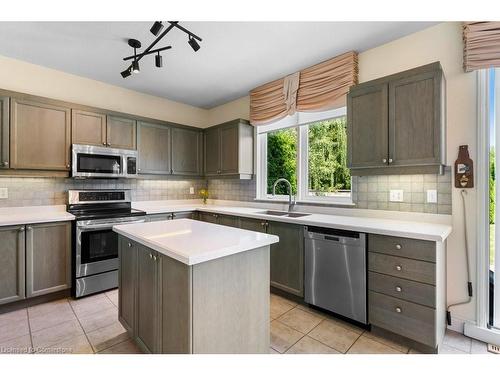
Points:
[(94, 161), (97, 245)]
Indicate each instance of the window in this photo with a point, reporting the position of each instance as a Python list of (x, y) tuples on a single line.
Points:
[(310, 151)]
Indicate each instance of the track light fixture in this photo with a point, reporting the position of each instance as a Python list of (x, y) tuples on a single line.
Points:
[(156, 30)]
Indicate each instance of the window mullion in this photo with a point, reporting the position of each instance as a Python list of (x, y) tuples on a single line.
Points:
[(302, 162)]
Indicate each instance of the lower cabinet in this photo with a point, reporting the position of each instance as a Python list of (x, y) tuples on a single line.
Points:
[(208, 217), (253, 224), (127, 281), (12, 265)]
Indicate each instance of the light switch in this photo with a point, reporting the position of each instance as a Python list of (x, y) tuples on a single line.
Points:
[(191, 190), (432, 196), (396, 195), (4, 193)]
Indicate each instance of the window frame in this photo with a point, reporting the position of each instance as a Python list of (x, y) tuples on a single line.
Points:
[(301, 122)]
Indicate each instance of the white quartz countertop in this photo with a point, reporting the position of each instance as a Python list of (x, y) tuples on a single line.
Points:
[(192, 242), (385, 226), (33, 215)]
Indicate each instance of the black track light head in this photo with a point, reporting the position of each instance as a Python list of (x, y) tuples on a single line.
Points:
[(193, 43), (135, 67), (158, 60), (126, 73), (156, 28)]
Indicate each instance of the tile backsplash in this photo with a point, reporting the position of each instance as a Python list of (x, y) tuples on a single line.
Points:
[(50, 191)]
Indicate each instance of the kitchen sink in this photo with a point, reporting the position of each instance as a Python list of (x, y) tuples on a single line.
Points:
[(283, 213)]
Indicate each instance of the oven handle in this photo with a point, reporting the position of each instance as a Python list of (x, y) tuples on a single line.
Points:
[(109, 225)]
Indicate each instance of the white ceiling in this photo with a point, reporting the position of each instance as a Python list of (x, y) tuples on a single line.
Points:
[(234, 57)]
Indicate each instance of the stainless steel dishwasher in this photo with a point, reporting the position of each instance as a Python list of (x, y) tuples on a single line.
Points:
[(335, 271)]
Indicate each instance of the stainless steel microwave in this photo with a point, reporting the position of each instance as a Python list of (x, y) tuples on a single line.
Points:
[(103, 162)]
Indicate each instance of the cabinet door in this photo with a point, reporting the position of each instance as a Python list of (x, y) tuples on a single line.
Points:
[(415, 120), (147, 307), (186, 151), (127, 284), (158, 217), (229, 149), (367, 127), (40, 136), (212, 152), (121, 132), (230, 221), (208, 217), (48, 258), (253, 224), (88, 128), (287, 258), (154, 149), (4, 132), (184, 215), (12, 271)]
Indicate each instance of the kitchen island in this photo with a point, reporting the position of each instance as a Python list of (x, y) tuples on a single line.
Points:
[(192, 287)]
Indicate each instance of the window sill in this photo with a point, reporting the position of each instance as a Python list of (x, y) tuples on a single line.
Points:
[(309, 202)]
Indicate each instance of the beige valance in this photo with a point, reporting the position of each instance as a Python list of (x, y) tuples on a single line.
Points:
[(319, 87), (481, 45)]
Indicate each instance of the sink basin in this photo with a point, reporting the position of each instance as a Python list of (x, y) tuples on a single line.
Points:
[(283, 213)]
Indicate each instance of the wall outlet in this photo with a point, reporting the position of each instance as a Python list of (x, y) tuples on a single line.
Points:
[(396, 195), (191, 190), (432, 196), (4, 193)]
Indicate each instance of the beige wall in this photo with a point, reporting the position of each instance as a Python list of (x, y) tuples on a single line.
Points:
[(16, 75), (442, 43), (239, 108)]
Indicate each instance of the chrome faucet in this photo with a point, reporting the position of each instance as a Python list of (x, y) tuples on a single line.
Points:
[(291, 203)]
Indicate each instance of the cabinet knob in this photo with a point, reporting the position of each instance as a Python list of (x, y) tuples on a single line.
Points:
[(150, 256), (399, 268), (68, 165), (129, 244), (390, 161), (21, 229), (398, 246), (104, 143), (29, 228), (5, 163), (155, 258), (263, 224), (398, 289), (384, 161), (398, 310)]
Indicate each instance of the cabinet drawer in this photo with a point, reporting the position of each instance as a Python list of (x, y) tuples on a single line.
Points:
[(403, 247), (404, 318), (410, 269), (412, 291)]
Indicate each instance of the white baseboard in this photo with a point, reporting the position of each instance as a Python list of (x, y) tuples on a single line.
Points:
[(457, 324), (490, 336)]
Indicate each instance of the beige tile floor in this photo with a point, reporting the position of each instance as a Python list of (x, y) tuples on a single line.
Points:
[(90, 325)]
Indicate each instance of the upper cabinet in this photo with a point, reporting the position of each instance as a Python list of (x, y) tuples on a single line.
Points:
[(396, 124), (154, 148), (88, 128), (187, 152), (40, 135), (121, 132), (229, 149), (4, 132)]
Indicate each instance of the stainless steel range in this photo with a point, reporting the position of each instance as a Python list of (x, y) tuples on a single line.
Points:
[(95, 245)]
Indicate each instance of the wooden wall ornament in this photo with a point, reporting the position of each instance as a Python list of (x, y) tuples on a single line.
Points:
[(464, 169)]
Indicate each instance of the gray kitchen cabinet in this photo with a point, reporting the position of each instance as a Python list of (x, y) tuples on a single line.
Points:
[(255, 225), (127, 283), (287, 257), (187, 151), (48, 258), (12, 266), (154, 148), (121, 132), (208, 217), (40, 135), (229, 149), (229, 221), (4, 131), (396, 124), (148, 296), (158, 217), (88, 128), (184, 215)]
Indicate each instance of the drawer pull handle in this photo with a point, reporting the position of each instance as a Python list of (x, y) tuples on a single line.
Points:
[(398, 246), (129, 244), (398, 310), (399, 268), (151, 255), (399, 289)]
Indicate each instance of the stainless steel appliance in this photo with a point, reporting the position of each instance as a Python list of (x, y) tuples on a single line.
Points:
[(335, 271), (104, 162), (95, 245)]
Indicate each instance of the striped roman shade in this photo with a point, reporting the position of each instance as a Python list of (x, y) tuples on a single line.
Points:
[(481, 45)]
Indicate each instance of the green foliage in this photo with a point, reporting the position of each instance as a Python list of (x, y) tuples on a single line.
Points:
[(282, 160), (492, 186)]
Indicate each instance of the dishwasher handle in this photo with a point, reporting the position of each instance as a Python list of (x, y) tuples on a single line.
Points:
[(335, 235)]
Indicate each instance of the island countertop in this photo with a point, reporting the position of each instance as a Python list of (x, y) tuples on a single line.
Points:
[(192, 242)]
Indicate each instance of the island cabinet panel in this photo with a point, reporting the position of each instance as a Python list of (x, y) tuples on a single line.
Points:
[(127, 283), (4, 131), (48, 258), (40, 135), (121, 132), (234, 292), (148, 297), (88, 128), (287, 257), (154, 149), (12, 265), (187, 152)]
